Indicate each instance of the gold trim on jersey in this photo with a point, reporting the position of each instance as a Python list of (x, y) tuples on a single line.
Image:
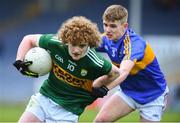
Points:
[(116, 64), (68, 78), (147, 59), (127, 47)]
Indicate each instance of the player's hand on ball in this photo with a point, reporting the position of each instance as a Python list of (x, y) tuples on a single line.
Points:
[(99, 91), (22, 66)]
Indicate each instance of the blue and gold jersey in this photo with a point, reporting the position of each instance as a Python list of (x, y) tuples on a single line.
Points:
[(145, 82)]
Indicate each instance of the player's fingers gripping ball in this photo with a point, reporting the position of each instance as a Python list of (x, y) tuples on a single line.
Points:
[(23, 68), (21, 64)]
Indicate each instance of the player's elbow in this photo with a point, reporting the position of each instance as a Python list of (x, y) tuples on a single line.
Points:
[(32, 39)]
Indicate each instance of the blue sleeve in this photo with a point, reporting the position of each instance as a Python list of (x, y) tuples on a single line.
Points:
[(135, 49)]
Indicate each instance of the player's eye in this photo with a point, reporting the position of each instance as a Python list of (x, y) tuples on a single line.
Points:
[(105, 25), (113, 26)]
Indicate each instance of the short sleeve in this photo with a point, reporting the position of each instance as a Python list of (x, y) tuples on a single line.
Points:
[(134, 49), (48, 41)]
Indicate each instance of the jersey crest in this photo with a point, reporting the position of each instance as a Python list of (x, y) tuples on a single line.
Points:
[(84, 72)]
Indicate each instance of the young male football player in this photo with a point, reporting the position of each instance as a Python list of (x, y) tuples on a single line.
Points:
[(142, 84), (68, 89)]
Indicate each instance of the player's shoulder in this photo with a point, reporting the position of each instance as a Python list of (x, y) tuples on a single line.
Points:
[(47, 35), (134, 37), (95, 58), (50, 38)]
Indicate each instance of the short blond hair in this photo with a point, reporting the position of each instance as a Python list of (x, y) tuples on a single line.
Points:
[(79, 29), (115, 13)]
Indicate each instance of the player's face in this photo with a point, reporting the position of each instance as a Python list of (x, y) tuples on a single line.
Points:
[(114, 30), (77, 51)]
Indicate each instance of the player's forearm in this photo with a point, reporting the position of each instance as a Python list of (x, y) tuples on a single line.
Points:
[(118, 80), (106, 79), (124, 71), (100, 81)]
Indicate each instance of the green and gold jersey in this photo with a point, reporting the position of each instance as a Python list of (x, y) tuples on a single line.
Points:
[(70, 82)]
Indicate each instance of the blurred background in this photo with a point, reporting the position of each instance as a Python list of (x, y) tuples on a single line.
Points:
[(158, 21)]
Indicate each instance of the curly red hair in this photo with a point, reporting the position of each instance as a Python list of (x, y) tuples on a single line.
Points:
[(79, 29)]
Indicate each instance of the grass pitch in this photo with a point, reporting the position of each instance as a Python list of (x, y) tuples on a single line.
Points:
[(11, 113)]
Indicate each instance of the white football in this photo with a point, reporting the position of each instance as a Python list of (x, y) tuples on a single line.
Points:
[(42, 62)]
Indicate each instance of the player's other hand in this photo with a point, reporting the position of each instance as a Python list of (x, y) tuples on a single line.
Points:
[(99, 91), (22, 66)]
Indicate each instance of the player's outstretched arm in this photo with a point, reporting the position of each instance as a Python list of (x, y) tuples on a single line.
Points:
[(105, 83), (106, 79), (125, 68)]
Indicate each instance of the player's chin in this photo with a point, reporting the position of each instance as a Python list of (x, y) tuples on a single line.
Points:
[(75, 58), (112, 39), (109, 37)]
